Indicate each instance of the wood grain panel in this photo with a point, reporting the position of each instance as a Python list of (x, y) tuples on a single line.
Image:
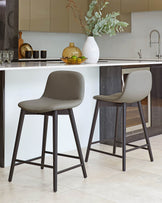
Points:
[(24, 15), (155, 5), (110, 82), (74, 25), (40, 15), (128, 6), (59, 16)]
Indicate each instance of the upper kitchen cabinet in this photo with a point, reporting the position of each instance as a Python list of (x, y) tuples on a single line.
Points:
[(59, 16), (40, 15), (24, 14), (34, 15), (49, 15), (155, 5), (114, 5), (128, 6), (74, 25)]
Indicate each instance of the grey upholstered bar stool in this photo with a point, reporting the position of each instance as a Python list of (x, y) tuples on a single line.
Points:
[(64, 90), (138, 85)]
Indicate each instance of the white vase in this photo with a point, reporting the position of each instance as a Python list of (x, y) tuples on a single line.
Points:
[(91, 50)]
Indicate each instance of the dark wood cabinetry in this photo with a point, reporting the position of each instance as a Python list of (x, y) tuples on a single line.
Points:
[(9, 26)]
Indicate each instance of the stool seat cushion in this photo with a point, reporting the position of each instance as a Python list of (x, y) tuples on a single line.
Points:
[(45, 104), (109, 98), (137, 86)]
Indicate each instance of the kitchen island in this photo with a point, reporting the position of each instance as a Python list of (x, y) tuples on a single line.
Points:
[(26, 80)]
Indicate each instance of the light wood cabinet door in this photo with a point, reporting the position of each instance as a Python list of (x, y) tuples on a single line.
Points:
[(155, 5), (40, 15), (59, 16), (128, 6), (113, 6), (74, 25), (126, 17), (24, 15)]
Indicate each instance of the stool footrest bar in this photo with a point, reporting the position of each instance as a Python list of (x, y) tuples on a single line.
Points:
[(48, 166), (66, 155), (136, 147), (95, 142), (70, 168), (96, 150), (33, 159), (32, 163)]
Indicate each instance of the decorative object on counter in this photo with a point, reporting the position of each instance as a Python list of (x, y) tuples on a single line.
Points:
[(43, 54), (6, 56), (25, 47), (21, 41), (91, 50), (11, 55), (71, 50), (74, 60), (28, 54), (95, 23), (35, 54)]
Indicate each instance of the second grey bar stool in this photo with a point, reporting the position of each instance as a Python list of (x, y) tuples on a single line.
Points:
[(64, 90), (138, 85)]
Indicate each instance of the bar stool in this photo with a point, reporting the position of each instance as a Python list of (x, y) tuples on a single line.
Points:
[(64, 90), (138, 85)]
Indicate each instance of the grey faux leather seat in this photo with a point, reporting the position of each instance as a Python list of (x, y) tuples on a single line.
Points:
[(138, 85), (64, 90)]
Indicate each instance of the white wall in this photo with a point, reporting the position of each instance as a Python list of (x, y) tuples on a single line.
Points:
[(121, 45), (128, 44), (54, 43)]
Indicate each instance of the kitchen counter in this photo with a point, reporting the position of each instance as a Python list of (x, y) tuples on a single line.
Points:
[(60, 64)]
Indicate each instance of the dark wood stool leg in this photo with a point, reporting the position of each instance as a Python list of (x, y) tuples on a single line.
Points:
[(17, 141), (44, 140), (55, 123), (92, 130), (124, 139), (116, 129), (145, 130), (73, 124)]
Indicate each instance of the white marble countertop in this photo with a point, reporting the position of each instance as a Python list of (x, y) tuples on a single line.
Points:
[(61, 65)]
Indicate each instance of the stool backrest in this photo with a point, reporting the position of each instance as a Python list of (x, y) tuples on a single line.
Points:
[(65, 85), (138, 85)]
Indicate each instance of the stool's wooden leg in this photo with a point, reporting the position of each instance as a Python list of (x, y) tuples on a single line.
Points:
[(73, 124), (17, 141), (116, 129), (145, 130), (124, 139), (44, 140), (92, 131), (55, 136)]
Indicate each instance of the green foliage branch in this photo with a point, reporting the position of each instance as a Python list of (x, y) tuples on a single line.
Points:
[(95, 23)]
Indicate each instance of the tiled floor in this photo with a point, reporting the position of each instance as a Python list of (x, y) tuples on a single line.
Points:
[(106, 183)]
